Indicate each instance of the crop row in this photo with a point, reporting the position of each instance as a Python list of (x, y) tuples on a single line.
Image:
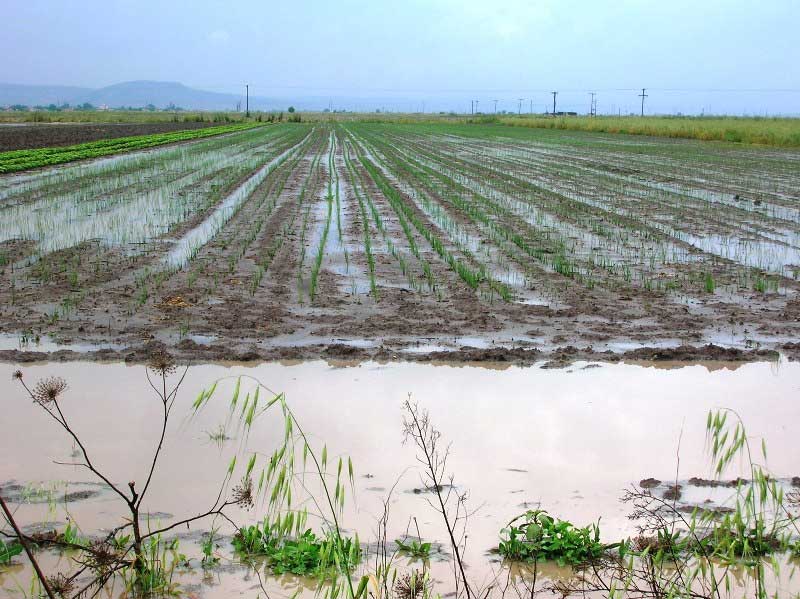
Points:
[(20, 160), (552, 194)]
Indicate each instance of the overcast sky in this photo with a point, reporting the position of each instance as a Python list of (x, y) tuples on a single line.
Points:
[(439, 52)]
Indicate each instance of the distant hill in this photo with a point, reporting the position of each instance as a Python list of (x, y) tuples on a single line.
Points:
[(160, 94), (136, 94)]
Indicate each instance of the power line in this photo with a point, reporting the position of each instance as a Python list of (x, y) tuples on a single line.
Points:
[(353, 89)]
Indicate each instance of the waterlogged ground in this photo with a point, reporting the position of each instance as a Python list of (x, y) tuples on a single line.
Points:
[(569, 441), (393, 241)]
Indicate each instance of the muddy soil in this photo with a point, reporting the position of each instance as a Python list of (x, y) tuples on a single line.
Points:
[(247, 294), (26, 137)]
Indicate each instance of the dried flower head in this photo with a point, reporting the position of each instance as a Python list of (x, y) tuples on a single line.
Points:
[(47, 390), (61, 585), (101, 556), (243, 493), (17, 375), (161, 362), (411, 586)]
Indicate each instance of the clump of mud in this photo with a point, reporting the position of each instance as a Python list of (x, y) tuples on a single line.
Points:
[(649, 483)]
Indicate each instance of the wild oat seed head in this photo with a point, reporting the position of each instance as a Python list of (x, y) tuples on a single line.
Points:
[(17, 375), (161, 363), (47, 390)]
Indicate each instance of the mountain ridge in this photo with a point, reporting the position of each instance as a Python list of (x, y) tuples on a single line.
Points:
[(134, 94)]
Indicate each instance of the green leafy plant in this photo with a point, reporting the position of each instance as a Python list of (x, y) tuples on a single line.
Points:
[(536, 535), (414, 548), (305, 555), (8, 551), (207, 546), (71, 536)]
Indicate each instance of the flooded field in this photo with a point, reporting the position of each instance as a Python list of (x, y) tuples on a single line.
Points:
[(379, 241), (569, 441)]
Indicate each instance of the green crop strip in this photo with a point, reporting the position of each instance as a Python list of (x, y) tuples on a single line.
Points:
[(19, 160)]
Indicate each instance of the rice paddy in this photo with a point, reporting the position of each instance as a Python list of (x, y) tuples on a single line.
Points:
[(389, 236)]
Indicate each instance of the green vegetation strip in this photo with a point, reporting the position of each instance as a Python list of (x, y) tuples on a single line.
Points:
[(19, 160), (781, 132)]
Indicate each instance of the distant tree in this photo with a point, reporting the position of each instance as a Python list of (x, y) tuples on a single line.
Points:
[(150, 107), (52, 107), (291, 108), (18, 107), (85, 106)]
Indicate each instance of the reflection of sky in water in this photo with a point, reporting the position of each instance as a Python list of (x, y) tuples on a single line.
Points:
[(568, 440)]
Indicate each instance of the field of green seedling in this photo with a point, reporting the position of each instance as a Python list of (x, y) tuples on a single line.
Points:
[(20, 160), (374, 236)]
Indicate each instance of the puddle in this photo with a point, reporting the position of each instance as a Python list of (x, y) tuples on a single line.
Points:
[(46, 343), (426, 348), (203, 339), (520, 437)]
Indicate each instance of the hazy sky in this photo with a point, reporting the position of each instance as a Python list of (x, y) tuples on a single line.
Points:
[(437, 51)]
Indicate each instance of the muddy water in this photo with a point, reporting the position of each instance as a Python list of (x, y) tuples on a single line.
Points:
[(568, 441)]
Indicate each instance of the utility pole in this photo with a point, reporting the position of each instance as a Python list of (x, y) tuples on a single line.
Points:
[(643, 96), (247, 99), (531, 107), (495, 106), (593, 105), (476, 107), (554, 102), (472, 106), (519, 108)]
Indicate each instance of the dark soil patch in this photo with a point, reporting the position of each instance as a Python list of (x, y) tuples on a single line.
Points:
[(673, 493)]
